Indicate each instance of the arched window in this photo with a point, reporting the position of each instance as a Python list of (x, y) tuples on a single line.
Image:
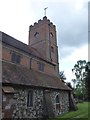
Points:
[(30, 99), (57, 105), (51, 35), (57, 99), (36, 35)]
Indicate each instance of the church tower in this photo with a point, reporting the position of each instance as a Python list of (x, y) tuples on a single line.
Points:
[(42, 37)]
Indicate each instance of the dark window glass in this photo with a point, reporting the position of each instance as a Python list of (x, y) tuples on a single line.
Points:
[(30, 99), (58, 103), (15, 58), (41, 66), (57, 99)]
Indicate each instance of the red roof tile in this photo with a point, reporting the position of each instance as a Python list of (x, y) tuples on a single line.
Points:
[(16, 74)]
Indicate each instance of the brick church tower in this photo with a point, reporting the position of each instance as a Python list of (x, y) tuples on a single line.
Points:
[(42, 37)]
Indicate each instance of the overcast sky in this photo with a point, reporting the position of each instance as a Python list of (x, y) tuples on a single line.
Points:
[(69, 16)]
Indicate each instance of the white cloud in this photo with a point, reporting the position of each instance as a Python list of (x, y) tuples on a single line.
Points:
[(17, 15), (80, 53), (68, 63), (15, 18)]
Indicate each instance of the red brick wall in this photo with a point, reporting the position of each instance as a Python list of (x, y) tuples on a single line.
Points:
[(6, 54), (25, 61), (43, 42)]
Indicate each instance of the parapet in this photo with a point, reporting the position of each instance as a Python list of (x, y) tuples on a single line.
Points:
[(36, 24)]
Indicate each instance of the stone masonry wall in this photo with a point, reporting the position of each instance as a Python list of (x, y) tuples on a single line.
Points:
[(63, 100), (25, 60), (19, 109)]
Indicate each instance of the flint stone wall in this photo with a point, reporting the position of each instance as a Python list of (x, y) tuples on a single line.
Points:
[(64, 102), (20, 109)]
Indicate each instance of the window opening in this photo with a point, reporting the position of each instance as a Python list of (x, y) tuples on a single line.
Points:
[(15, 58), (41, 66), (30, 99)]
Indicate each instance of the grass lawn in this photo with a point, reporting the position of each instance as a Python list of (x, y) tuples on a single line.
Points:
[(80, 114)]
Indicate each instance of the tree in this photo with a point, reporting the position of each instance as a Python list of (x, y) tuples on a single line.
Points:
[(69, 85), (79, 71), (87, 79), (62, 75), (74, 82)]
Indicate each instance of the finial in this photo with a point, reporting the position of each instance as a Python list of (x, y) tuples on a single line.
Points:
[(45, 11)]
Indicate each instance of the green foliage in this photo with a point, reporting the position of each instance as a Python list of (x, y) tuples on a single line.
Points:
[(82, 110), (69, 85), (74, 82), (80, 114), (79, 71), (62, 75), (87, 79)]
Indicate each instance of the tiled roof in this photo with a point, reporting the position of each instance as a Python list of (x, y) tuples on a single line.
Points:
[(16, 74), (7, 39), (18, 44)]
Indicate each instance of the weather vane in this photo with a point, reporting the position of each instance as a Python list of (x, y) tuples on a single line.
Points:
[(45, 11)]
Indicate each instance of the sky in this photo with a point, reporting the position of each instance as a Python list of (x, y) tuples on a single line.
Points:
[(69, 16)]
